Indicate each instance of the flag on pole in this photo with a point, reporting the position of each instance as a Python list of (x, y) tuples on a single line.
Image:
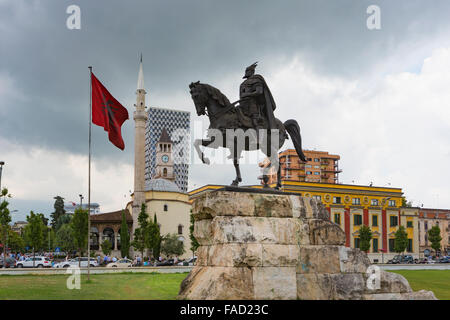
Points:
[(107, 112)]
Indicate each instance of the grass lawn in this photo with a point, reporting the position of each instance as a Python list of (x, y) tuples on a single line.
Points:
[(158, 286), (123, 286), (437, 281)]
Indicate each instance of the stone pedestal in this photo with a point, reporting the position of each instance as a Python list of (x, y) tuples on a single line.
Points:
[(274, 246)]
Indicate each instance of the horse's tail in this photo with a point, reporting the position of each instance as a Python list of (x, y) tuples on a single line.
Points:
[(293, 129)]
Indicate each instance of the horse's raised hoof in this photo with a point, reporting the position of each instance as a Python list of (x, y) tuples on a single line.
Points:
[(235, 183)]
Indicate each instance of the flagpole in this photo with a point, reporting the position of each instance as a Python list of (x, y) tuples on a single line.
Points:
[(89, 174)]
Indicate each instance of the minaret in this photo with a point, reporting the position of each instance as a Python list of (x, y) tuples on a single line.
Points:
[(140, 119)]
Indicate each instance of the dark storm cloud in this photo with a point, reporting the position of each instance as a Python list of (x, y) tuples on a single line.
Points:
[(182, 41)]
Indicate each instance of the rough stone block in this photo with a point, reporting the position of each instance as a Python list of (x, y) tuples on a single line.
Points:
[(255, 230), (203, 231), (325, 232), (314, 286), (235, 255), (348, 286), (280, 255), (274, 283), (202, 256), (217, 283), (227, 203), (353, 260), (319, 259)]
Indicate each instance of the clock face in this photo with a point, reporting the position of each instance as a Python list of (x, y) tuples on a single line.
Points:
[(165, 158)]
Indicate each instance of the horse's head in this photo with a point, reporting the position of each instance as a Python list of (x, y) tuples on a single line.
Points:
[(205, 95), (198, 95)]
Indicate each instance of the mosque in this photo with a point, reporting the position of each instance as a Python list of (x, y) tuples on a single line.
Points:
[(161, 195)]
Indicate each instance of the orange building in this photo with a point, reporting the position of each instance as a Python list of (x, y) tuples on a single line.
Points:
[(427, 219), (321, 167)]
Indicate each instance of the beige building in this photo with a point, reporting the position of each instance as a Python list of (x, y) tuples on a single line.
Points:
[(320, 167), (427, 219)]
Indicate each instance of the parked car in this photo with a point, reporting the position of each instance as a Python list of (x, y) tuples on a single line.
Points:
[(74, 262), (122, 263), (188, 262), (10, 262), (36, 262), (401, 259), (165, 263), (444, 260)]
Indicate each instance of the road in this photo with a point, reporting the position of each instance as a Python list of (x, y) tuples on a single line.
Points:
[(95, 270), (441, 266)]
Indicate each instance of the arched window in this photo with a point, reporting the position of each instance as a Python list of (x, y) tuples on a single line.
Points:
[(94, 239), (165, 172), (108, 234), (166, 207), (180, 229)]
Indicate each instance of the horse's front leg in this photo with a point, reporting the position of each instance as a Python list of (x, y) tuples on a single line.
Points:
[(238, 173), (201, 155)]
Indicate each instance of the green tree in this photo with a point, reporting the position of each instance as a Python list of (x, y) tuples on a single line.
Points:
[(62, 220), (34, 232), (194, 242), (365, 235), (401, 240), (5, 218), (64, 239), (79, 225), (15, 241), (124, 238), (171, 246), (106, 247), (59, 210), (434, 235), (140, 238), (154, 237), (406, 204)]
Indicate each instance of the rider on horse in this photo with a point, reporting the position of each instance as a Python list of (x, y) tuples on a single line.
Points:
[(256, 100)]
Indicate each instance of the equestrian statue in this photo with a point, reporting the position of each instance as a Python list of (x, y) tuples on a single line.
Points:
[(247, 124)]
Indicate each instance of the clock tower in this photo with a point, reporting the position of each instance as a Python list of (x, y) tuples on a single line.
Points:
[(164, 160)]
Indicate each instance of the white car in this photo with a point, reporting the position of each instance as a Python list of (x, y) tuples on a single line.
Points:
[(37, 262), (122, 263), (74, 262), (189, 262)]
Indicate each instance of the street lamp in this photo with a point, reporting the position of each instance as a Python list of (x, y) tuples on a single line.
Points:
[(1, 169), (81, 201)]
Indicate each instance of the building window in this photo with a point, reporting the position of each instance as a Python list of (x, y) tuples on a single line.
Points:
[(374, 202), (316, 173), (409, 224), (375, 245), (316, 160), (356, 201), (180, 229), (409, 247), (337, 200), (308, 172), (316, 167), (426, 239), (166, 207), (337, 218), (357, 220), (391, 203), (356, 242), (374, 220), (426, 225), (308, 166), (318, 198), (393, 221), (391, 245), (165, 172)]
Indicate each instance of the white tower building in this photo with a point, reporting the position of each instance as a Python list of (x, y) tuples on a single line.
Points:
[(140, 119)]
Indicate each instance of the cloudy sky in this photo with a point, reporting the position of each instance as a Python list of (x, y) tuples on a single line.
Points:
[(378, 98)]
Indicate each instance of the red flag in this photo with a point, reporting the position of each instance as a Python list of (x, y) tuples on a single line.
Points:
[(107, 112)]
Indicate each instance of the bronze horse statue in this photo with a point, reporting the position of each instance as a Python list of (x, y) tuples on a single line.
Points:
[(231, 128)]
